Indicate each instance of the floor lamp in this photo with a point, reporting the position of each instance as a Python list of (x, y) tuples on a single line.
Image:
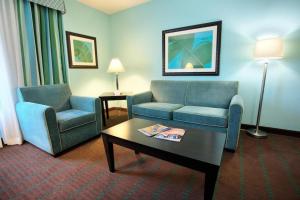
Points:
[(266, 50), (116, 67)]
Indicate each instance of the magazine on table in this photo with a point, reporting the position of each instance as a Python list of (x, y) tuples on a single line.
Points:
[(163, 132)]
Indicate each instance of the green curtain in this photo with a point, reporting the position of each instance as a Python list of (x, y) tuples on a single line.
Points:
[(42, 44)]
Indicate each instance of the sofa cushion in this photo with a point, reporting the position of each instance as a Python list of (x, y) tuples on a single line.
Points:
[(72, 118), (155, 109), (217, 94), (202, 115), (169, 91)]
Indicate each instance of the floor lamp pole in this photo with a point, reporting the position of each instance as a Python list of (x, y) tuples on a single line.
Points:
[(256, 132)]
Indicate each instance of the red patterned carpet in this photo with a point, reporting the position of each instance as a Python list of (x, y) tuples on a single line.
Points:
[(260, 169)]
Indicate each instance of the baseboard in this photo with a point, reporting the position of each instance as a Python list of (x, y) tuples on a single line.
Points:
[(118, 109), (1, 143), (271, 130)]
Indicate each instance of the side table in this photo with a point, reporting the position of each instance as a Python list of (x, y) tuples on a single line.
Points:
[(110, 96)]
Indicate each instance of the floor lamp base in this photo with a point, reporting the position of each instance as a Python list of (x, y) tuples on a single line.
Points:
[(257, 133)]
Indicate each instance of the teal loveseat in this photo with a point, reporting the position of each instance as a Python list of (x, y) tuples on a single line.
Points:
[(213, 105), (54, 120)]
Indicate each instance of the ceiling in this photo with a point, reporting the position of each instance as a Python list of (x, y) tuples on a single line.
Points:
[(112, 6)]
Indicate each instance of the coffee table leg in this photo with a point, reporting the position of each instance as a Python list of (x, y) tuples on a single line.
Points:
[(109, 151), (210, 182)]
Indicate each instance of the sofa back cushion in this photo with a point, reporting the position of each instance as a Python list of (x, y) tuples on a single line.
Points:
[(169, 91), (57, 96), (217, 94)]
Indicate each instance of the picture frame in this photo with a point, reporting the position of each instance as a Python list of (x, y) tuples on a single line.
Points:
[(82, 51), (192, 50)]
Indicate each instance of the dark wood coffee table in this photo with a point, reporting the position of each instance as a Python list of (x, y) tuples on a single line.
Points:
[(199, 149)]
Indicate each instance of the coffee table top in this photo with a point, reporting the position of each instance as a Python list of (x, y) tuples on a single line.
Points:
[(198, 144)]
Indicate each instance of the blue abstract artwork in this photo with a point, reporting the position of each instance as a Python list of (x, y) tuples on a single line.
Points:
[(190, 51)]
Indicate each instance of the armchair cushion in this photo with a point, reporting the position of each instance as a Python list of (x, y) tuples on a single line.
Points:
[(202, 115), (88, 104), (155, 109), (73, 118)]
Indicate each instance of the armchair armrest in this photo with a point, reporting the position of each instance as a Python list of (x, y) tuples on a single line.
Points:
[(39, 126), (236, 109), (137, 99), (88, 104)]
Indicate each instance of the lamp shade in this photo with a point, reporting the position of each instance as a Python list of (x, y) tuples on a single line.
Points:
[(271, 48), (115, 66)]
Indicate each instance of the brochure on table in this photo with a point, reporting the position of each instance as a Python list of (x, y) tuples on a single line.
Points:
[(163, 132)]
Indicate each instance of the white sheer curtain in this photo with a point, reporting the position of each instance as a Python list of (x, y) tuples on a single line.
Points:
[(10, 72)]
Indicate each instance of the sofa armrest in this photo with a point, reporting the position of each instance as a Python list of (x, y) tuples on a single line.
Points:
[(89, 104), (237, 100), (39, 126), (236, 109), (137, 99)]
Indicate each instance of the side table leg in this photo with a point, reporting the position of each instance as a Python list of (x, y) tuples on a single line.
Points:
[(102, 112), (210, 182), (106, 108), (109, 151)]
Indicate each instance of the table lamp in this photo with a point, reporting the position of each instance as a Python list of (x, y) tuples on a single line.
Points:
[(116, 67), (266, 50)]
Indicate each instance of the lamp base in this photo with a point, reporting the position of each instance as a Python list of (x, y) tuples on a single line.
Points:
[(257, 133), (117, 92)]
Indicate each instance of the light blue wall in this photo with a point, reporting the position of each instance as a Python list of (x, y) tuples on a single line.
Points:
[(85, 20), (135, 36), (136, 40)]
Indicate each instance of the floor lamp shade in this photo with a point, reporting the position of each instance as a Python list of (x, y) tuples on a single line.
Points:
[(269, 49), (265, 49)]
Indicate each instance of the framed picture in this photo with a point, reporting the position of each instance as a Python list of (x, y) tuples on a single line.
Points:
[(82, 51), (192, 50)]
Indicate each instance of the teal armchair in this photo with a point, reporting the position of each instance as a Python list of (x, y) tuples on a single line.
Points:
[(54, 120)]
